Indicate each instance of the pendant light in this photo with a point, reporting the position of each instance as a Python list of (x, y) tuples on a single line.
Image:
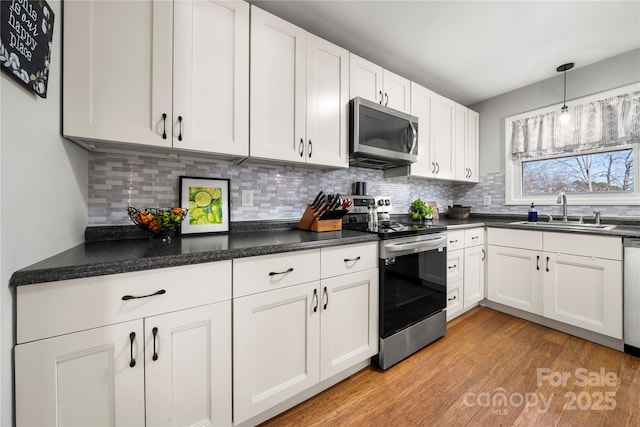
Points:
[(564, 111)]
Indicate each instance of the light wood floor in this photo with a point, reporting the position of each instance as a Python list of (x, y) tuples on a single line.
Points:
[(459, 381)]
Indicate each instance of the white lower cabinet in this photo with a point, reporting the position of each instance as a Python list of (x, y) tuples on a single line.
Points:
[(275, 347), (108, 375), (473, 275), (515, 278), (465, 270), (84, 378), (187, 367), (584, 292), (570, 278), (293, 337)]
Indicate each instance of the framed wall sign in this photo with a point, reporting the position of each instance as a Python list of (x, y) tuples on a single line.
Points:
[(26, 32), (208, 202)]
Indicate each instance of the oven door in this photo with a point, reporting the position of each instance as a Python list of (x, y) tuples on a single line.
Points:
[(413, 287)]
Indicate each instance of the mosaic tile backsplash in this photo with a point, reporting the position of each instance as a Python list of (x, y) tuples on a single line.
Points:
[(119, 180)]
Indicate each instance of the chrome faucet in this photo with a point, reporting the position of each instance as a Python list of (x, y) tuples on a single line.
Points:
[(562, 198), (596, 215)]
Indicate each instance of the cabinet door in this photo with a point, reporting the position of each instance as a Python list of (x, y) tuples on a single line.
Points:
[(473, 147), (276, 347), (365, 79), (278, 88), (188, 366), (473, 275), (211, 76), (115, 55), (327, 103), (584, 292), (397, 91), (460, 138), (442, 134), (84, 378), (421, 108), (515, 278), (349, 321)]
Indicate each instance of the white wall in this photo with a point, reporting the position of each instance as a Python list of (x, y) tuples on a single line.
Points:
[(43, 181), (611, 73)]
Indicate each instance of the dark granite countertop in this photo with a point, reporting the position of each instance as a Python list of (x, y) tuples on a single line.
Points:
[(97, 258), (121, 249), (624, 227)]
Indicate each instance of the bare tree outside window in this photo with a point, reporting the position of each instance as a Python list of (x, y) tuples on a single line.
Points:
[(610, 171)]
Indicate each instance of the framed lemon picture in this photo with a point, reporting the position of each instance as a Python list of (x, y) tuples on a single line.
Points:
[(207, 201)]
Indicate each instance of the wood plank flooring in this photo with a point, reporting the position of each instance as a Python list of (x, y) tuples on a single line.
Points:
[(490, 369)]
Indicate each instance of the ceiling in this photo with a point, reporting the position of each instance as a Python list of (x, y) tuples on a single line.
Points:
[(471, 51)]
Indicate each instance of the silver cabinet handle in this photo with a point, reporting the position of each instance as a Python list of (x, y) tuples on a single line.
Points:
[(301, 147), (386, 95), (381, 97)]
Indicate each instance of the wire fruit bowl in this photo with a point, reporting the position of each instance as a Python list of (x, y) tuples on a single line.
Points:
[(159, 221)]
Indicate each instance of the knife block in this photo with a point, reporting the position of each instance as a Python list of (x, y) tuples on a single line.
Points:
[(311, 222)]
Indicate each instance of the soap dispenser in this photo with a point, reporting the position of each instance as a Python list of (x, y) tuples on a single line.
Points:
[(533, 214)]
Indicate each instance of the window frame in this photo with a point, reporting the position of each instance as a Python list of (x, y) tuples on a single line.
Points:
[(513, 168)]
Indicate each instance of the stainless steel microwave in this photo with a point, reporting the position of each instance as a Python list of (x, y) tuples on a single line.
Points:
[(381, 137)]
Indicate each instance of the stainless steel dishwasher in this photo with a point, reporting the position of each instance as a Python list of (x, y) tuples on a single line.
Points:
[(632, 296)]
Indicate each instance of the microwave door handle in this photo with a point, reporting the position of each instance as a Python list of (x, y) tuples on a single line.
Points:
[(415, 137)]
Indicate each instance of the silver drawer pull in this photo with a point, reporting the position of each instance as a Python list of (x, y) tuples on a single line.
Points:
[(128, 297), (274, 273), (352, 259), (453, 267)]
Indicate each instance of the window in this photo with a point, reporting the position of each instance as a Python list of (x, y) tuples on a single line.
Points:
[(608, 171), (594, 159)]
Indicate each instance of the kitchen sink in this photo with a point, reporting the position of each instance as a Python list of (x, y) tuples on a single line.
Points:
[(569, 225)]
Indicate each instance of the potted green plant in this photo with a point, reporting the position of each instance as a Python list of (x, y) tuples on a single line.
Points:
[(420, 211)]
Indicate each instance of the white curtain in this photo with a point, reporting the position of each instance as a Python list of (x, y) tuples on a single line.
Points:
[(603, 123)]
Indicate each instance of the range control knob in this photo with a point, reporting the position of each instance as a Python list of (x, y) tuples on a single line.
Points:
[(380, 202), (387, 202)]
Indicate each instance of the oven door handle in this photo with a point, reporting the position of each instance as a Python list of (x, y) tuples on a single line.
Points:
[(425, 245)]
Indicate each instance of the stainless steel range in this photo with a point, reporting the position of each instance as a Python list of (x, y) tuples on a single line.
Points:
[(413, 279)]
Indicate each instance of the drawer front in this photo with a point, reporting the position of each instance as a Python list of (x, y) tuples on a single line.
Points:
[(348, 259), (606, 247), (455, 240), (454, 299), (50, 309), (474, 237), (267, 272), (455, 266), (523, 239)]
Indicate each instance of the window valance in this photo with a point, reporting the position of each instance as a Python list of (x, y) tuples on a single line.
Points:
[(603, 123)]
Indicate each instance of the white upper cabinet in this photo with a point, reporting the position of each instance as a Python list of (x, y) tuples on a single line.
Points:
[(210, 76), (107, 93), (173, 74), (327, 103), (299, 94), (442, 132), (278, 88), (397, 91), (421, 108), (466, 144), (372, 82)]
